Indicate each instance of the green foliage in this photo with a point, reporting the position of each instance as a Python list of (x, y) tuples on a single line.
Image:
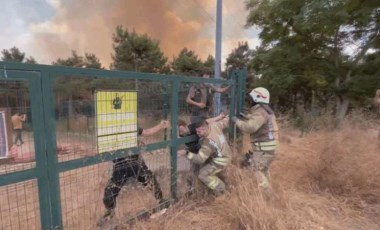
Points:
[(137, 52), (209, 64), (240, 57), (187, 62), (70, 88), (91, 61), (30, 60), (15, 55), (367, 77), (305, 43), (88, 61)]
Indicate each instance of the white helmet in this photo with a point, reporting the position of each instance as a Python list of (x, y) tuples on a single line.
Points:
[(260, 95)]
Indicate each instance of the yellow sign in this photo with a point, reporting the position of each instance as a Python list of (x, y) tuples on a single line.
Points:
[(116, 120)]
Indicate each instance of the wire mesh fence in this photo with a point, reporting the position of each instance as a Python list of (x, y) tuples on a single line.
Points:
[(19, 203), (76, 138), (94, 159), (17, 130), (79, 135), (19, 206)]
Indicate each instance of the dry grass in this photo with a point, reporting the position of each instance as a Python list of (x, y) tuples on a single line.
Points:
[(326, 180)]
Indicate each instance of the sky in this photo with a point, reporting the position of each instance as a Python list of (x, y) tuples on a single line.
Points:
[(51, 29)]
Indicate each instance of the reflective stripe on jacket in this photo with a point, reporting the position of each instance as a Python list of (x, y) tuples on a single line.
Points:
[(214, 146), (262, 127)]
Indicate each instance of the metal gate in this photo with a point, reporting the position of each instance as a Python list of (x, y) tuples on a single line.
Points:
[(37, 186)]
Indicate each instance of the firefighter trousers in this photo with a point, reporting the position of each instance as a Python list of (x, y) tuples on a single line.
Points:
[(208, 174)]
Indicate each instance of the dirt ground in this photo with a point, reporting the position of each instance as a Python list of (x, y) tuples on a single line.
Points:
[(82, 194), (19, 206), (82, 189)]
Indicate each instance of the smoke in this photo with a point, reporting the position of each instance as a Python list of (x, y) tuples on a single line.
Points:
[(87, 26)]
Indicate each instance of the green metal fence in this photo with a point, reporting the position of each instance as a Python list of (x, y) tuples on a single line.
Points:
[(55, 179)]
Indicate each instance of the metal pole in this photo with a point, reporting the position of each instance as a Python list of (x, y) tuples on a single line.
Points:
[(218, 53)]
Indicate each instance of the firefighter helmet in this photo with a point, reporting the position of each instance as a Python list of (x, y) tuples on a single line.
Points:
[(260, 95)]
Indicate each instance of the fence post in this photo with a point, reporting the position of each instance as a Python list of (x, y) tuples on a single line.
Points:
[(166, 107), (241, 77), (40, 152), (231, 132), (174, 146), (52, 158)]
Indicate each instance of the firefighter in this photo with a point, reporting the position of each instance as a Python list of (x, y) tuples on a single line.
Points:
[(214, 154), (130, 167), (193, 146), (260, 123)]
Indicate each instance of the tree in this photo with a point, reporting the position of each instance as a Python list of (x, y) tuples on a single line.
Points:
[(91, 61), (240, 57), (70, 88), (209, 64), (187, 62), (15, 55), (365, 86), (88, 61), (309, 39), (136, 52), (30, 60)]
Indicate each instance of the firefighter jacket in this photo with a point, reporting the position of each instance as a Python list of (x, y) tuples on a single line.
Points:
[(261, 124), (214, 147)]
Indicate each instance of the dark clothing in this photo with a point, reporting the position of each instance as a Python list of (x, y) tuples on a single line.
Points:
[(193, 146), (127, 168), (18, 136), (200, 95), (197, 116), (129, 158)]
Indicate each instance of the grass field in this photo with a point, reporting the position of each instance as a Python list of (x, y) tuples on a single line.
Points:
[(327, 179)]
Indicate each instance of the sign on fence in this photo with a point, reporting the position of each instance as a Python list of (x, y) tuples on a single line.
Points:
[(3, 136), (116, 120)]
